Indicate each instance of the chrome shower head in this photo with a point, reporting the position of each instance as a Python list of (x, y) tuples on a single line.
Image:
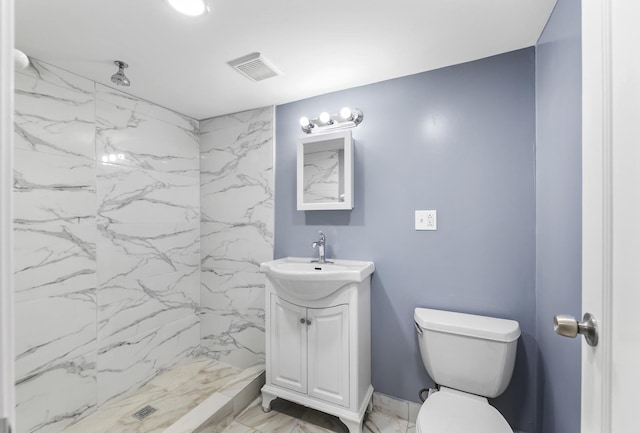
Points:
[(119, 78)]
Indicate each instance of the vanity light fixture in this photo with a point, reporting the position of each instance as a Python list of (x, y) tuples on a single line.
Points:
[(192, 8), (347, 118), (325, 118)]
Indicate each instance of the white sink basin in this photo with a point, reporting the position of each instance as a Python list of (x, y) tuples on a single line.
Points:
[(302, 279)]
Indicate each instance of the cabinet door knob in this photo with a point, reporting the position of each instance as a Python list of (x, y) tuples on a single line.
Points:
[(302, 320), (308, 322)]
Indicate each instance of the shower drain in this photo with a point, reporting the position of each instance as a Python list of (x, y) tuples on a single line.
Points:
[(144, 412)]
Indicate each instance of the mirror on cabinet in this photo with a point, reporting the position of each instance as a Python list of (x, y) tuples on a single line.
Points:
[(325, 172)]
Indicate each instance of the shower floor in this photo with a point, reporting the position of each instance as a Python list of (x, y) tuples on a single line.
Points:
[(200, 396)]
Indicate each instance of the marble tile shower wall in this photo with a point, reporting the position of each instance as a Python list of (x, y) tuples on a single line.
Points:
[(236, 196), (107, 253)]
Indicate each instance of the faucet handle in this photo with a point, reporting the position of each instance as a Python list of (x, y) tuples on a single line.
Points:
[(322, 236)]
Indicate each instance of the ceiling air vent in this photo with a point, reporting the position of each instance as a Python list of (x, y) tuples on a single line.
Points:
[(255, 67)]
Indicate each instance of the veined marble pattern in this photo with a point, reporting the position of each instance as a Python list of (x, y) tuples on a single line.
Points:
[(53, 259), (53, 188), (200, 395), (47, 73), (235, 246), (133, 195), (235, 293), (54, 248), (135, 306), (127, 365), (124, 101), (54, 166), (149, 240), (236, 171), (131, 251), (232, 284), (55, 313), (322, 176), (107, 258), (232, 340), (54, 120), (54, 329), (396, 407), (142, 135), (55, 397), (236, 196)]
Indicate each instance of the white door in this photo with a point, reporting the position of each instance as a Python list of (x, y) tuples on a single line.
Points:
[(288, 345), (611, 213), (7, 399), (328, 339)]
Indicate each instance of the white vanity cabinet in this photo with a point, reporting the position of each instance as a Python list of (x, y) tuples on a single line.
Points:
[(309, 350), (319, 350)]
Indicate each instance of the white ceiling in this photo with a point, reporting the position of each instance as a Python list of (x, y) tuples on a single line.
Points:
[(321, 46)]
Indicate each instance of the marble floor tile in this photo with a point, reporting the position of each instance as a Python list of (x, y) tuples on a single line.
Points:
[(240, 380), (282, 418), (287, 417), (236, 427), (390, 406), (378, 422), (210, 416), (186, 400), (323, 420)]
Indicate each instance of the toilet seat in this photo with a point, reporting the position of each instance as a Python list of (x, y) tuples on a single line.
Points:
[(452, 411)]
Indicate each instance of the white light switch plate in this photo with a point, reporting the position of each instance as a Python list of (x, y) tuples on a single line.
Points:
[(426, 220)]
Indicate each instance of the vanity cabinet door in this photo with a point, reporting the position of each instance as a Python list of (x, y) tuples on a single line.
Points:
[(328, 342), (288, 345)]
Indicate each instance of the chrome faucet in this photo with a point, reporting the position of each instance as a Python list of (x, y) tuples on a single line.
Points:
[(320, 244)]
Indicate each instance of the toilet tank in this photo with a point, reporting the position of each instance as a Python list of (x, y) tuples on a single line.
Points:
[(466, 352)]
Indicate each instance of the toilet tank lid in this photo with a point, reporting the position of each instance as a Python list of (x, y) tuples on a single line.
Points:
[(488, 328)]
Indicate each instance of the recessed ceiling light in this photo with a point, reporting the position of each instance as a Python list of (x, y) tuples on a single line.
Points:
[(193, 8)]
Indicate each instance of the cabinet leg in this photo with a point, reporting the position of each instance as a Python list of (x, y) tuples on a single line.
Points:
[(353, 426), (267, 398)]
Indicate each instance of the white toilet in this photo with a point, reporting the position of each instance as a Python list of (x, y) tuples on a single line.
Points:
[(471, 358)]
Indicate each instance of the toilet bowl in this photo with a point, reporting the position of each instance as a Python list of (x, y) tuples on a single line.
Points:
[(471, 358)]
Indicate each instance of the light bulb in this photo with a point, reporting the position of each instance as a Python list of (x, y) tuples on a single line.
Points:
[(192, 8), (304, 122), (105, 158), (112, 157), (325, 117), (346, 114)]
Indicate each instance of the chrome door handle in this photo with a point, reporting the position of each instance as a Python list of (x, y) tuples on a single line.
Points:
[(568, 326)]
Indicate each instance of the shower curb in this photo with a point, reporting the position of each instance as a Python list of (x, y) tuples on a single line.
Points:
[(220, 409)]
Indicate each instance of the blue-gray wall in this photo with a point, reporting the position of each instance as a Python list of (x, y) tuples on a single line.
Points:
[(558, 215), (459, 140)]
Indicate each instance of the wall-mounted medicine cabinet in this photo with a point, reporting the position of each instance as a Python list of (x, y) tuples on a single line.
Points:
[(325, 172)]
